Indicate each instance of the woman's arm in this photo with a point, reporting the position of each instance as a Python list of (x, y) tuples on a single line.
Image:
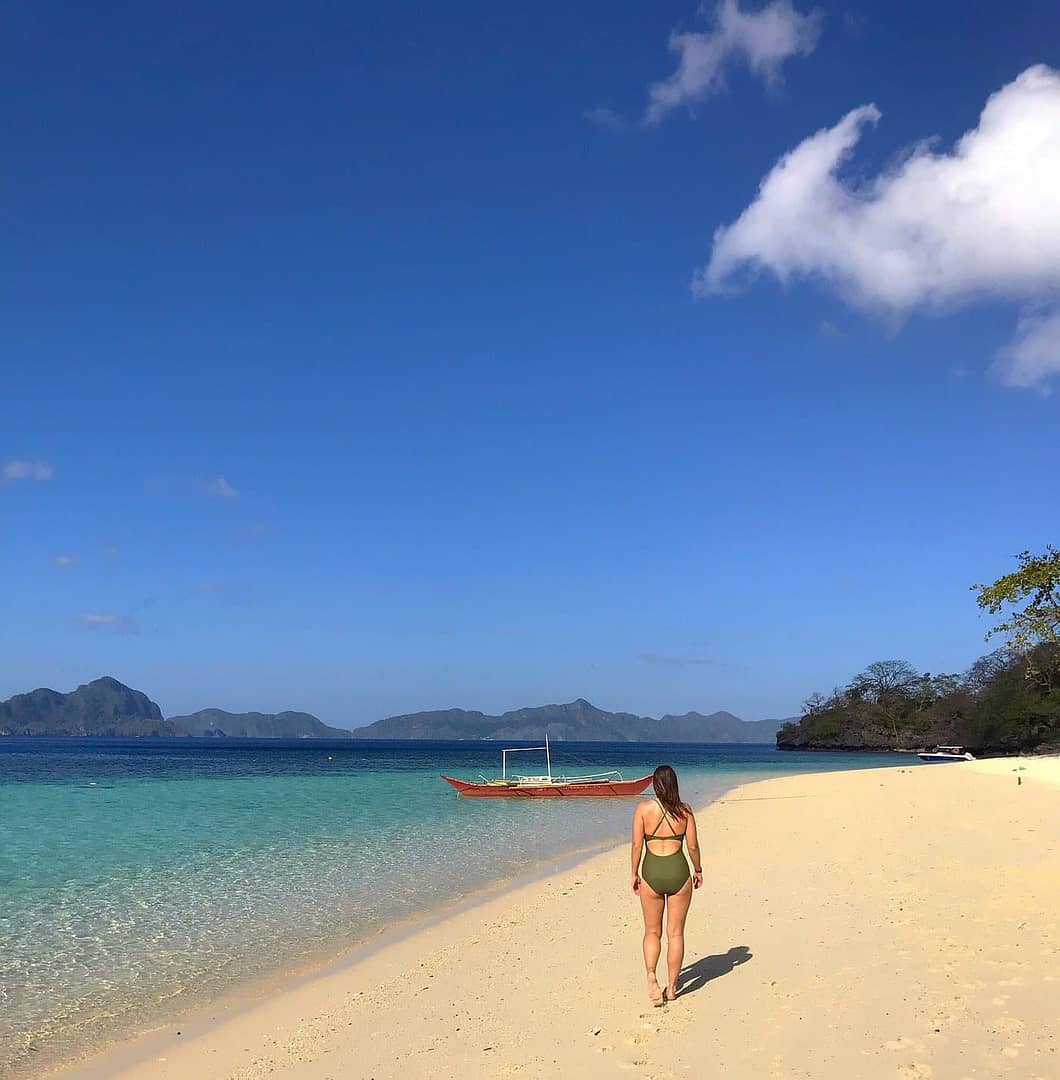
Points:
[(692, 839), (638, 845)]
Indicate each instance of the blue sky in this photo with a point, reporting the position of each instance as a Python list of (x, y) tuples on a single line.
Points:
[(353, 358)]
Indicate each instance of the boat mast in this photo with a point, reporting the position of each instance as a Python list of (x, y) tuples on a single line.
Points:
[(548, 757)]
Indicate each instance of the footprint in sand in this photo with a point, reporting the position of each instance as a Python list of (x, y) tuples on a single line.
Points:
[(918, 1070)]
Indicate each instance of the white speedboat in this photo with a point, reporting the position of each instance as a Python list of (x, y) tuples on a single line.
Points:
[(946, 753)]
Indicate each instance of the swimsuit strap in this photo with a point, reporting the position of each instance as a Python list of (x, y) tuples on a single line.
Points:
[(674, 834)]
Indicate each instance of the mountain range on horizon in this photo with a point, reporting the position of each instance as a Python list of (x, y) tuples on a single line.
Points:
[(107, 707), (577, 721)]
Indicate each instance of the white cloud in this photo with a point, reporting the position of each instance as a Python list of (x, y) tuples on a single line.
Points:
[(937, 230), (108, 620), (222, 488), (1034, 354), (27, 470), (64, 561), (762, 39)]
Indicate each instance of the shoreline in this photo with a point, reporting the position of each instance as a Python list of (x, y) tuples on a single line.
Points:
[(169, 957), (130, 1048), (200, 1018), (313, 1025)]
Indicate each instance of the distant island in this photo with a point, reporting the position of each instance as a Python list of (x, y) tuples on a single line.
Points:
[(107, 707), (578, 721), (102, 707), (256, 725)]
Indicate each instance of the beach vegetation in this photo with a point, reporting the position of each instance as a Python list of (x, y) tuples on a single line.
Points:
[(1006, 702), (1029, 598)]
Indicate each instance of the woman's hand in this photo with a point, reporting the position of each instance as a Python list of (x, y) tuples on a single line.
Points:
[(636, 883), (697, 879)]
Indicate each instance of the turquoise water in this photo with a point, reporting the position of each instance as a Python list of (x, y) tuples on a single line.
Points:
[(142, 876)]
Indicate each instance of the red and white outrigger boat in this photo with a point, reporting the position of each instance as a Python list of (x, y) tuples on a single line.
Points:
[(516, 786)]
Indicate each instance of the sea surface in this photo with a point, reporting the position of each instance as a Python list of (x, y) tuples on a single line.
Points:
[(139, 877)]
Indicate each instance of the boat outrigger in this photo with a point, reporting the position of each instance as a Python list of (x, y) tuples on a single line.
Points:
[(517, 786), (946, 753)]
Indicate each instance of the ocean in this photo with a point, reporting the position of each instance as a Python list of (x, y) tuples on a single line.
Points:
[(141, 877)]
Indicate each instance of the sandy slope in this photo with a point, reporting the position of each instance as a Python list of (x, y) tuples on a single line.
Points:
[(894, 923)]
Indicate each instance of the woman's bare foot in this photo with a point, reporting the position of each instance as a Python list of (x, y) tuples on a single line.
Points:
[(655, 993), (669, 993)]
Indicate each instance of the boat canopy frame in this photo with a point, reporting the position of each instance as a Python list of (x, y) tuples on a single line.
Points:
[(548, 778), (526, 750)]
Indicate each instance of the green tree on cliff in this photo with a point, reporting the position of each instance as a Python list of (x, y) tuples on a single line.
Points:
[(1030, 596), (1036, 582)]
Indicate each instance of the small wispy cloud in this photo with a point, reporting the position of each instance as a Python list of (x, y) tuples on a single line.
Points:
[(1033, 355), (26, 470), (762, 39), (64, 561), (828, 331), (221, 488), (677, 661), (110, 551), (109, 621), (603, 117)]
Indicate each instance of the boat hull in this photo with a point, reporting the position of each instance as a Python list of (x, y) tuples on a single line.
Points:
[(588, 789)]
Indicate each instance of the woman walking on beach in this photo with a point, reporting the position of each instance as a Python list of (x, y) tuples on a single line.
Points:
[(660, 830)]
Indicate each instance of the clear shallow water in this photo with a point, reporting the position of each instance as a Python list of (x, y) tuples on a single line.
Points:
[(144, 875)]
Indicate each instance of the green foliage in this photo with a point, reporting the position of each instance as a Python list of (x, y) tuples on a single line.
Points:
[(1036, 584), (1005, 702)]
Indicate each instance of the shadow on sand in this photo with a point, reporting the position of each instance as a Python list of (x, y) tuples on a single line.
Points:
[(697, 975)]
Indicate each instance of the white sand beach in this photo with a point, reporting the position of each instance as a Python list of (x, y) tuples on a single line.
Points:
[(893, 923)]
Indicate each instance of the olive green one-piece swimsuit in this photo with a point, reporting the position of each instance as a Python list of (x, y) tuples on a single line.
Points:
[(666, 874)]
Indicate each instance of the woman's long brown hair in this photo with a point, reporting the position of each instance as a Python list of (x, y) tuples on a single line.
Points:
[(664, 780)]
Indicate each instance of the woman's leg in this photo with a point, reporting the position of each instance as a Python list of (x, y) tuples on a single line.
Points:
[(652, 904), (676, 913)]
